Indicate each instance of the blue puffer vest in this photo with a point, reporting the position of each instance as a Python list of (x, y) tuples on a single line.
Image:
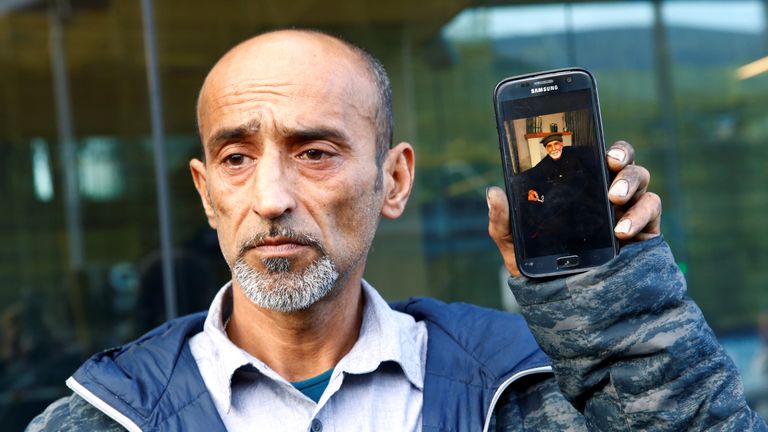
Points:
[(473, 354)]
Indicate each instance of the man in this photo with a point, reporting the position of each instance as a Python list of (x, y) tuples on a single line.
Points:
[(297, 169), (563, 212), (553, 145), (555, 169)]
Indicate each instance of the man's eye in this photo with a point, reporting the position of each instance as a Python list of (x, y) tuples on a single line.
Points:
[(313, 154), (236, 160)]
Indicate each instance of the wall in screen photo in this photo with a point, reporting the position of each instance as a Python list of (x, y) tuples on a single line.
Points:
[(524, 135)]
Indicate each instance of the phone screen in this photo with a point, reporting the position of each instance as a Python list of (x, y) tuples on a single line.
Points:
[(556, 176)]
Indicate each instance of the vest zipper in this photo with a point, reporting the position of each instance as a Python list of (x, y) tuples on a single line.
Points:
[(505, 384), (101, 405)]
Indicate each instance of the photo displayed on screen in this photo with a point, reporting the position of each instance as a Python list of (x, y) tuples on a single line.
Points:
[(557, 183)]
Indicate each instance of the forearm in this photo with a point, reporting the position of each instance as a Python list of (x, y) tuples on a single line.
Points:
[(631, 350)]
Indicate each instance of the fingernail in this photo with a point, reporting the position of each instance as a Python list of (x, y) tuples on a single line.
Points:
[(487, 196), (620, 188), (623, 226), (617, 154)]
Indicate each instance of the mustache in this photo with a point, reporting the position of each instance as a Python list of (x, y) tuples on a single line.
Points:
[(284, 232)]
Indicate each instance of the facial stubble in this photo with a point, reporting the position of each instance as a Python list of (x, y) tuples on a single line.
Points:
[(279, 287)]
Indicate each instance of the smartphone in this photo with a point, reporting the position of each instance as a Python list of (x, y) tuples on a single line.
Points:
[(555, 172)]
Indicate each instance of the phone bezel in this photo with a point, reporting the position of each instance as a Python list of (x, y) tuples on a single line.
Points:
[(518, 87)]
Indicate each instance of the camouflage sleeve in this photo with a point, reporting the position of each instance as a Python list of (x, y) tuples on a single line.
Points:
[(631, 351), (72, 414), (536, 404)]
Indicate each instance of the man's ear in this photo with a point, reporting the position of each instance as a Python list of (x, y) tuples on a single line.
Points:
[(201, 184), (399, 173)]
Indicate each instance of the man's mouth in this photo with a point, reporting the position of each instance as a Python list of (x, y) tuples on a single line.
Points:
[(280, 240), (279, 243), (279, 246)]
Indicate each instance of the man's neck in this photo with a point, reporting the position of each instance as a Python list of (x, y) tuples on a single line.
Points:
[(303, 344)]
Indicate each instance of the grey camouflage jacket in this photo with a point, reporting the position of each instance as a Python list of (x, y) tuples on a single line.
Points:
[(630, 351)]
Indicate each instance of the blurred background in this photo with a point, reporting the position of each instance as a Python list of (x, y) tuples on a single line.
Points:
[(103, 236)]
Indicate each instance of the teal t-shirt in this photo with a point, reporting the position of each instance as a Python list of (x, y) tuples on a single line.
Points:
[(314, 387)]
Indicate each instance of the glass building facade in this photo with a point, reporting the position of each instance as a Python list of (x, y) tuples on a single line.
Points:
[(104, 236)]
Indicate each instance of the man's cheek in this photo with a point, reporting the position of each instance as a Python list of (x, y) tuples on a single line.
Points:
[(347, 214)]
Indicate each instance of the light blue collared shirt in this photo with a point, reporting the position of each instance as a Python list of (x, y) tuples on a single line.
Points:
[(377, 385)]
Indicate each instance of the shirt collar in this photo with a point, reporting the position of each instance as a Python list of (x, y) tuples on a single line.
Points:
[(385, 336), (226, 355)]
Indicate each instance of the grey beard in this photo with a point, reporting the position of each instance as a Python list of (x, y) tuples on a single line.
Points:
[(282, 290)]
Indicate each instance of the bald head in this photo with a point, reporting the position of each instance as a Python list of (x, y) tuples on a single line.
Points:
[(306, 56)]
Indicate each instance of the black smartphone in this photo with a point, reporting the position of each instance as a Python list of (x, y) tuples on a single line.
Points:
[(555, 172)]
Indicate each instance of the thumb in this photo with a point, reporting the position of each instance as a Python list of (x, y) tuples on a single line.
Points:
[(499, 229)]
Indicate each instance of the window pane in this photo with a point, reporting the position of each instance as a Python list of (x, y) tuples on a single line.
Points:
[(81, 266)]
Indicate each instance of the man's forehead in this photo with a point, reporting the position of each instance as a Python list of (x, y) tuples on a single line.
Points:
[(278, 107), (286, 57), (291, 65)]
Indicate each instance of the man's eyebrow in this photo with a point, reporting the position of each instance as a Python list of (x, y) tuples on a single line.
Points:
[(237, 133), (303, 134)]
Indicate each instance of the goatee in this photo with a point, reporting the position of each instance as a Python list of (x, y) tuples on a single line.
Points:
[(280, 287)]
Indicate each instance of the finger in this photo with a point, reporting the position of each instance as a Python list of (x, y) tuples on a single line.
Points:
[(499, 228), (641, 221), (618, 212), (620, 155), (629, 184)]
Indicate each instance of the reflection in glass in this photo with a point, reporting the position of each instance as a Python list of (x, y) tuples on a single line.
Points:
[(100, 170), (41, 170)]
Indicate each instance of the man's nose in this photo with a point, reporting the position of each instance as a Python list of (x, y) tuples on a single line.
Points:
[(273, 183)]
